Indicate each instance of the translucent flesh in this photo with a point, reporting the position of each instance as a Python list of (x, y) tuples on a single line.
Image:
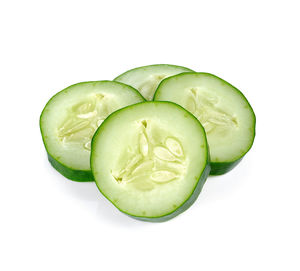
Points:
[(146, 79), (204, 105), (152, 162), (71, 117), (83, 119), (149, 85), (144, 160), (222, 110)]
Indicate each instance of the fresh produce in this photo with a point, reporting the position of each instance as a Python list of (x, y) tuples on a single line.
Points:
[(224, 112), (146, 79), (150, 160), (71, 117), (150, 138)]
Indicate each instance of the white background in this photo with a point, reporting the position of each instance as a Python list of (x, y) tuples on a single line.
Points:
[(247, 219)]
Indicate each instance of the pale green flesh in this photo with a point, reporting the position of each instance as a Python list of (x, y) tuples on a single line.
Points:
[(223, 111), (83, 119), (144, 161), (146, 79), (71, 118), (153, 161)]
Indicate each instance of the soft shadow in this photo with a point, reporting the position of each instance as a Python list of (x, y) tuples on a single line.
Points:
[(86, 191), (106, 210), (89, 193), (218, 187)]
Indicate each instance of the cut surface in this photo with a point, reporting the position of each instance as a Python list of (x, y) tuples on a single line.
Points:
[(71, 117), (223, 111), (83, 119), (144, 161), (146, 79)]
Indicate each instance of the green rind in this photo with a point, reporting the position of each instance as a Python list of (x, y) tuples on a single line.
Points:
[(70, 173), (222, 168), (154, 65), (193, 196), (219, 168), (187, 204)]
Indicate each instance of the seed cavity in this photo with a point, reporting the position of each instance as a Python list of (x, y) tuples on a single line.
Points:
[(87, 115), (148, 87), (163, 176), (118, 179), (156, 161), (143, 144), (144, 123), (143, 167), (75, 127), (164, 154), (83, 119), (143, 185), (191, 104), (174, 146), (99, 96), (194, 91), (84, 107), (205, 107), (129, 167)]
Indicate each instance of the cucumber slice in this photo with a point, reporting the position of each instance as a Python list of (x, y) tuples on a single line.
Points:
[(223, 110), (145, 163), (146, 79), (70, 119)]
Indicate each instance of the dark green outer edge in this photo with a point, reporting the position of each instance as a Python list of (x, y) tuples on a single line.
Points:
[(187, 204), (219, 168), (70, 173), (222, 168), (198, 187), (154, 65)]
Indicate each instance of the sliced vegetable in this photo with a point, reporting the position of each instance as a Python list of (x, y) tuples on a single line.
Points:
[(146, 79), (150, 160), (70, 118), (224, 112)]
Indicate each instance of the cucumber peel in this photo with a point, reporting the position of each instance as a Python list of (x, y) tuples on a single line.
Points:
[(71, 117), (146, 78), (150, 138), (225, 113), (144, 161)]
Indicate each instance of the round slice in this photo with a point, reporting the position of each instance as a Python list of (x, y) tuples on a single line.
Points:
[(146, 79), (71, 117), (223, 110), (145, 163)]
